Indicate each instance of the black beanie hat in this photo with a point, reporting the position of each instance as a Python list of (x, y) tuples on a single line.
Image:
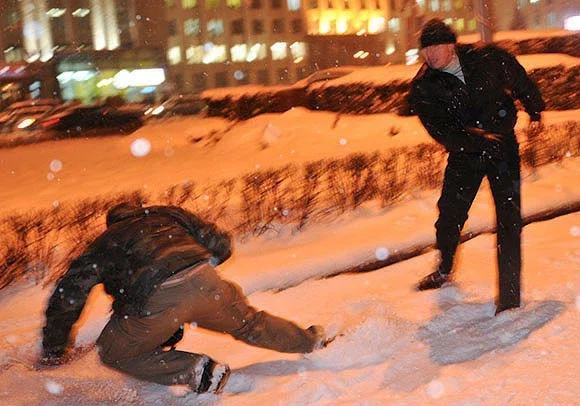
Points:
[(436, 32)]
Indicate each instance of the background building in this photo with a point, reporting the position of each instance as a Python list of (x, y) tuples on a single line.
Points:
[(151, 48), (82, 49)]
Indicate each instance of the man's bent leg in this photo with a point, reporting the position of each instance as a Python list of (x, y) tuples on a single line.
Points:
[(132, 343), (223, 307), (463, 177)]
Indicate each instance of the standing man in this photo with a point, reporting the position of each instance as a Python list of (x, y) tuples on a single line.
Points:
[(157, 264), (464, 96)]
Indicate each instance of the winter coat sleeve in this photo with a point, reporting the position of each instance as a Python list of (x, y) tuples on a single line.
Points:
[(218, 242), (440, 122), (65, 306), (519, 83)]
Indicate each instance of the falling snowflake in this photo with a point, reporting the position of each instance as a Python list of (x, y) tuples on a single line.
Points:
[(50, 176), (382, 253), (55, 165), (578, 303), (575, 231), (140, 147), (435, 389), (342, 141), (53, 387)]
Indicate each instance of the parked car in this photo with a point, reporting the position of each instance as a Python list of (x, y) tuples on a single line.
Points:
[(181, 105), (83, 121), (22, 114)]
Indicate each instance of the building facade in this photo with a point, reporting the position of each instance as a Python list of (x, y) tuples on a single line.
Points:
[(86, 49), (99, 48)]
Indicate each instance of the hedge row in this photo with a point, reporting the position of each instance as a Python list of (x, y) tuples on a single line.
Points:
[(559, 85)]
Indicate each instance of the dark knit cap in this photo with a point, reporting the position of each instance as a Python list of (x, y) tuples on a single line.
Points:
[(436, 32)]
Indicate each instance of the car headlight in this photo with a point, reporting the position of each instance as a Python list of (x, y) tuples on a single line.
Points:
[(158, 110), (27, 122)]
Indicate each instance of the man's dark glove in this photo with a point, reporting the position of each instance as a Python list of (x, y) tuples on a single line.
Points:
[(534, 131), (52, 357)]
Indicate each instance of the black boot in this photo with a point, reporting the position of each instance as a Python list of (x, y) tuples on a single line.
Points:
[(432, 281)]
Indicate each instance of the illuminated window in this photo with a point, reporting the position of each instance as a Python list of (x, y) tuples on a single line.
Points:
[(534, 1), (235, 4), (191, 27), (421, 4), (194, 54), (278, 25), (169, 3), (213, 53), (279, 50), (448, 21), (446, 5), (174, 55), (294, 5), (472, 24), (522, 3), (296, 26), (298, 49), (377, 24), (394, 24), (215, 27), (258, 26), (81, 12), (551, 19), (257, 52), (56, 12), (434, 5), (239, 52), (341, 25), (458, 4), (460, 24), (212, 4), (187, 4)]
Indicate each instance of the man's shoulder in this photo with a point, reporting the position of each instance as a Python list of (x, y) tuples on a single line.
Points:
[(479, 50), (422, 74)]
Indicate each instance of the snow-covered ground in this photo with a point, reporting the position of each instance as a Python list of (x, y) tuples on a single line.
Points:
[(398, 346)]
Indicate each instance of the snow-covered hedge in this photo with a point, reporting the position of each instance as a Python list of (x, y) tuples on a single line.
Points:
[(559, 84), (40, 244)]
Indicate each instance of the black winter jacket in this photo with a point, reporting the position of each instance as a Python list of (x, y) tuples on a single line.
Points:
[(453, 112), (140, 249)]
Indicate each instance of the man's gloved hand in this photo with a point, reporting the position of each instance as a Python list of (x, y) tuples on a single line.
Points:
[(535, 129), (52, 357)]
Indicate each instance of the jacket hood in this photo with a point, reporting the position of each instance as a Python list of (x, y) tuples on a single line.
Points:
[(121, 212)]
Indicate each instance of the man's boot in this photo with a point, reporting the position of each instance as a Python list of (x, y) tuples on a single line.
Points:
[(433, 281)]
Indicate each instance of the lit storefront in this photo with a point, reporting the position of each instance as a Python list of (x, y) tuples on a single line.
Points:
[(133, 75)]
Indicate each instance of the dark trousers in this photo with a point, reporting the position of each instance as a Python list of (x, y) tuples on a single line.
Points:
[(132, 344), (463, 177)]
